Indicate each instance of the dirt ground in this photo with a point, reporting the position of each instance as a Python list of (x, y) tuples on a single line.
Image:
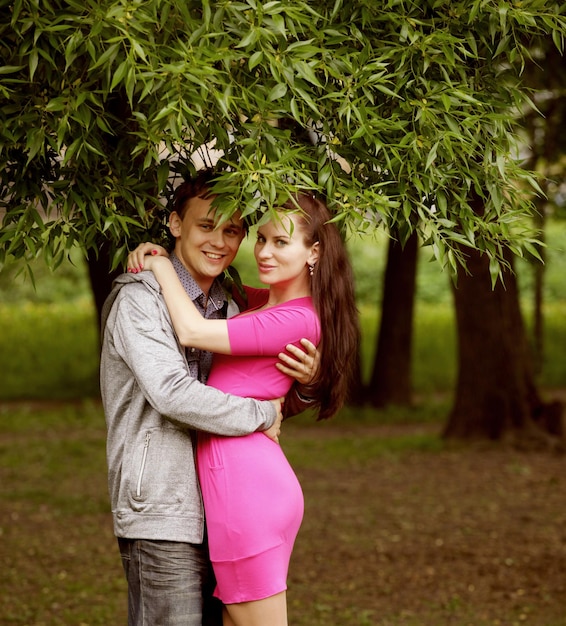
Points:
[(465, 536)]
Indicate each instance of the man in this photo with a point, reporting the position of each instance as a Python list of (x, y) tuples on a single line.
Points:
[(154, 404)]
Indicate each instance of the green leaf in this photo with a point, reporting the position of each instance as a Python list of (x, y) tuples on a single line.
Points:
[(431, 156), (307, 72), (107, 57), (10, 69), (255, 59), (119, 74), (72, 150), (35, 143), (250, 39), (494, 271), (277, 92), (162, 174), (278, 24), (33, 61)]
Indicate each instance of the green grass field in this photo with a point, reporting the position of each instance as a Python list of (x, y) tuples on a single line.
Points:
[(50, 341), (52, 349), (400, 529)]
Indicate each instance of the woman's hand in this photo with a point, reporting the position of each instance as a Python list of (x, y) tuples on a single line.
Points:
[(158, 264), (136, 258), (302, 365), (155, 261)]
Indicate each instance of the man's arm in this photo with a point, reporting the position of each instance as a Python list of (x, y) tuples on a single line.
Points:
[(144, 339)]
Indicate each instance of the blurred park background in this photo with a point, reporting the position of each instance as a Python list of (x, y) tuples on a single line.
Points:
[(401, 528), (426, 122), (50, 344)]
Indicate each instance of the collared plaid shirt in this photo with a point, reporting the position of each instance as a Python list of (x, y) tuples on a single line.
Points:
[(200, 361)]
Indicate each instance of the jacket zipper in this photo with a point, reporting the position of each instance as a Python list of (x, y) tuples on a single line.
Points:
[(142, 466)]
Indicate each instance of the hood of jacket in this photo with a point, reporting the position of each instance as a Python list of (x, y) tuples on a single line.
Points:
[(146, 278)]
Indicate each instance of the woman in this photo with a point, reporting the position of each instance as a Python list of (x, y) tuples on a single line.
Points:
[(253, 502)]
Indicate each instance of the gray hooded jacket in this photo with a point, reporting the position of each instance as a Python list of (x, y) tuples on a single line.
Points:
[(153, 409)]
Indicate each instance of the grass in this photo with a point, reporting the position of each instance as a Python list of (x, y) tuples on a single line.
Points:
[(399, 530), (52, 349), (60, 564), (52, 344), (60, 567)]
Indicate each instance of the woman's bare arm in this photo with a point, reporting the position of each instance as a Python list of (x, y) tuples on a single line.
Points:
[(192, 329)]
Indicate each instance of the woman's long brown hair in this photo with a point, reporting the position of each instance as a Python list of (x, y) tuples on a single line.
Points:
[(332, 288)]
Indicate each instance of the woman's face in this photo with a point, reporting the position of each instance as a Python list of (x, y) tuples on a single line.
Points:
[(280, 251)]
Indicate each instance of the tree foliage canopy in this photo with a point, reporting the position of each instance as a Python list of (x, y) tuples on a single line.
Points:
[(398, 111), (546, 133)]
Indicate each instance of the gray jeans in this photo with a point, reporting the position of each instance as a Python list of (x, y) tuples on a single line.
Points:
[(169, 584)]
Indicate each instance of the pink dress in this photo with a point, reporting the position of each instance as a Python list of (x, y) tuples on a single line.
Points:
[(252, 498)]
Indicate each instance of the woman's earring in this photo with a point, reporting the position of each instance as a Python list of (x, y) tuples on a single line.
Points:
[(311, 268)]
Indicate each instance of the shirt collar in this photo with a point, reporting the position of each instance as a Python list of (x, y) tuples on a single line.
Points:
[(216, 296)]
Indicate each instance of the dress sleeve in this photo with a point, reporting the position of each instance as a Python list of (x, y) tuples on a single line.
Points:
[(267, 332)]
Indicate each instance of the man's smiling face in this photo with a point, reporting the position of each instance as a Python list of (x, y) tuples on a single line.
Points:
[(202, 246)]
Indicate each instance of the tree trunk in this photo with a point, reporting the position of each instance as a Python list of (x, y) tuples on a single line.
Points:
[(539, 272), (391, 381), (496, 396), (99, 263), (119, 147), (356, 392)]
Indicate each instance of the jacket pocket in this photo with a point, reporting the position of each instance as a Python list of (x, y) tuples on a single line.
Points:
[(164, 468), (142, 465)]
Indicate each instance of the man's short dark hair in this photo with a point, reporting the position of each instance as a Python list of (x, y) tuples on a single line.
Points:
[(197, 187)]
